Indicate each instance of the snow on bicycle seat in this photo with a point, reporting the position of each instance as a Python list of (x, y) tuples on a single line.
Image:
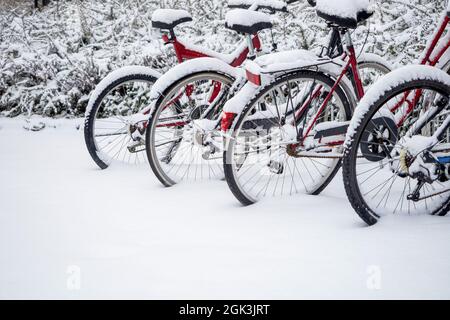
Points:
[(448, 9), (247, 21), (272, 5), (344, 13), (168, 19)]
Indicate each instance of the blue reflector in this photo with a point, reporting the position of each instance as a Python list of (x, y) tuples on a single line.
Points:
[(444, 159)]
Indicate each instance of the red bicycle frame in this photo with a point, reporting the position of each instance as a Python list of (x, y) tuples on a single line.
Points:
[(184, 53), (351, 63), (428, 59)]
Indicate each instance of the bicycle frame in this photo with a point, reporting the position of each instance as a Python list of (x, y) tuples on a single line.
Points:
[(184, 52), (432, 57), (442, 129), (428, 59), (332, 55), (350, 66), (333, 50)]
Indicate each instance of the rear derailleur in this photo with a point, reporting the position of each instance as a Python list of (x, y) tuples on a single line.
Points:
[(137, 134), (425, 168)]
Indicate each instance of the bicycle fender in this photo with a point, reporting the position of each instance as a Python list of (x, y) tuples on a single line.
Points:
[(187, 68), (114, 76)]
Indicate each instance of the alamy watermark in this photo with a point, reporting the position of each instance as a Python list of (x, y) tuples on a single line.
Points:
[(374, 277), (73, 281)]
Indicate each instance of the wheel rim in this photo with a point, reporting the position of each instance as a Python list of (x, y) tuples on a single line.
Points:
[(384, 184), (118, 128), (269, 169), (370, 72), (184, 141)]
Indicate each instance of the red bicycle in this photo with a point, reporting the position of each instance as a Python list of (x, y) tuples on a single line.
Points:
[(287, 126), (397, 156), (117, 113), (184, 140)]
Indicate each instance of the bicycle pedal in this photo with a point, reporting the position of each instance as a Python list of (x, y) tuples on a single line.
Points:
[(136, 147), (331, 132), (211, 149), (330, 129), (276, 167), (165, 160), (206, 155)]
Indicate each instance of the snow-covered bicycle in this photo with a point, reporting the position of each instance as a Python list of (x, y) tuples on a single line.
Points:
[(397, 155), (287, 126), (183, 139), (117, 112), (185, 142)]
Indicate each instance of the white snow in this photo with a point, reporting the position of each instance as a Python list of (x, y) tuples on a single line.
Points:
[(269, 65), (240, 100), (370, 57), (415, 146), (342, 8), (116, 75), (386, 83), (125, 236), (225, 57), (440, 45), (285, 60), (48, 58), (245, 17), (189, 67), (275, 4), (169, 15)]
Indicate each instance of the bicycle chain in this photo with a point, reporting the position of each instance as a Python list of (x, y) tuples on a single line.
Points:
[(316, 157), (321, 157), (340, 157), (433, 194)]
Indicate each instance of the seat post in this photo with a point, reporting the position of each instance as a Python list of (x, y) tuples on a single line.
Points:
[(335, 43), (172, 34), (348, 39), (251, 48), (356, 79)]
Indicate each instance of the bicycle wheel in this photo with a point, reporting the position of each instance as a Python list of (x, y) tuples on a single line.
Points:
[(391, 164), (371, 67), (114, 129), (266, 153), (183, 139)]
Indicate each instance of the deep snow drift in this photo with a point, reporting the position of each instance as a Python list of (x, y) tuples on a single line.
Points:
[(69, 230)]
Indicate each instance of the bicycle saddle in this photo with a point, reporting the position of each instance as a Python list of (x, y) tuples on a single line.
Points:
[(344, 13), (448, 9), (247, 21), (168, 19), (270, 5)]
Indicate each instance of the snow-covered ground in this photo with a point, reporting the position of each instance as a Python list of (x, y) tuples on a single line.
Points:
[(70, 230)]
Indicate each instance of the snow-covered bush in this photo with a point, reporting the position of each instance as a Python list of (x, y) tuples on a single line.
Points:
[(50, 60)]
